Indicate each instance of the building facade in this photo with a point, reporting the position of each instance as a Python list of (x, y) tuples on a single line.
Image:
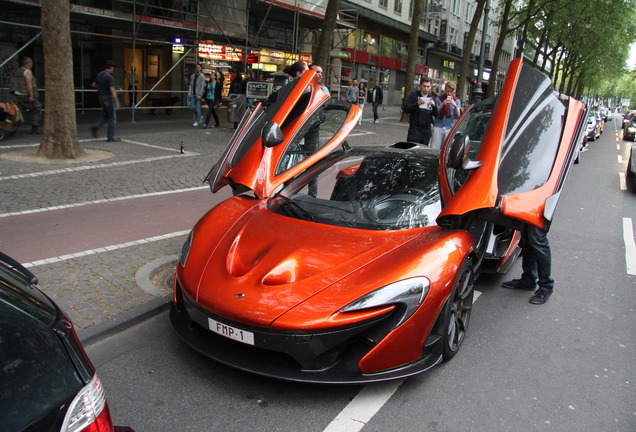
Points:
[(163, 40)]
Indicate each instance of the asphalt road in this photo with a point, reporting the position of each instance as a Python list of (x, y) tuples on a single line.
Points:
[(567, 365)]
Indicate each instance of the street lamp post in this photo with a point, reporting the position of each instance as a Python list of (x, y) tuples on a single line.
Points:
[(478, 92)]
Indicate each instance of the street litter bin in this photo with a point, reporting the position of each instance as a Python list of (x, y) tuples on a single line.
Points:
[(236, 107)]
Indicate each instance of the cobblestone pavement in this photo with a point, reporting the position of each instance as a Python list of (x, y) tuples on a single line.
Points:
[(105, 289)]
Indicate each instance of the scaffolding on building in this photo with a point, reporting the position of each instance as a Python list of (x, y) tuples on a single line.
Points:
[(131, 29)]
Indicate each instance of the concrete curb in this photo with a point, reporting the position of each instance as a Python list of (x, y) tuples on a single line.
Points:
[(147, 272), (124, 320)]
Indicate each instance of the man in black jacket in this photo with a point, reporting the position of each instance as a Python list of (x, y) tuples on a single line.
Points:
[(420, 105), (376, 98)]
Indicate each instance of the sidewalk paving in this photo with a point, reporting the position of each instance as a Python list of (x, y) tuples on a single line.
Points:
[(121, 276)]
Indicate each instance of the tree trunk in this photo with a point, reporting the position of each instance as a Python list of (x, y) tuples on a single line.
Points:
[(468, 48), (59, 138), (326, 35), (414, 39)]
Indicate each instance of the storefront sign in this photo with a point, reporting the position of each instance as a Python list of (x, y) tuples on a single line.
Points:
[(219, 52), (340, 54), (177, 45), (259, 90), (272, 57)]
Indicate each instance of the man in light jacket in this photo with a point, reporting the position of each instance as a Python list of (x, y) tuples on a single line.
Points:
[(196, 92)]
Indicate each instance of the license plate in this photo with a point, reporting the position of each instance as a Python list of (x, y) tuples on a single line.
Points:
[(230, 332)]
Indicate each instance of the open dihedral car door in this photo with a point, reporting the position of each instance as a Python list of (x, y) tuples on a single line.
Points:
[(508, 158), (275, 143)]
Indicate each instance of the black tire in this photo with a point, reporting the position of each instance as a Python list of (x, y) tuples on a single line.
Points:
[(457, 311), (1, 134)]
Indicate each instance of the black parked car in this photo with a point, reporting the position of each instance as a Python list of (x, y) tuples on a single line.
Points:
[(630, 172), (47, 383)]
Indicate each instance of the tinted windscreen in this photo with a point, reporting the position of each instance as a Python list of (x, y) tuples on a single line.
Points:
[(532, 135), (380, 190)]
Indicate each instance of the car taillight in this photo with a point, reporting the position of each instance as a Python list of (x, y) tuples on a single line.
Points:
[(88, 411)]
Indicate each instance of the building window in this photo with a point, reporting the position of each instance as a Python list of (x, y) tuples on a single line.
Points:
[(397, 7), (384, 4), (470, 11), (433, 27), (453, 36), (455, 7), (370, 43)]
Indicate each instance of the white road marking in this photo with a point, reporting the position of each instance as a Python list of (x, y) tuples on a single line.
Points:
[(98, 166), (630, 246), (91, 167), (106, 249), (620, 159), (621, 181), (367, 403), (363, 407), (361, 133), (170, 149), (83, 203)]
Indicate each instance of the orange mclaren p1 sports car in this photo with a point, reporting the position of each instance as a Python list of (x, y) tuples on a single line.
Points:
[(334, 264)]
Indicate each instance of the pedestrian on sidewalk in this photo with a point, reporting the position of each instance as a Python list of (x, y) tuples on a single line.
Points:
[(362, 97), (351, 92), (377, 97), (536, 264), (105, 85), (26, 90), (421, 107), (448, 111), (196, 90), (319, 76), (213, 97)]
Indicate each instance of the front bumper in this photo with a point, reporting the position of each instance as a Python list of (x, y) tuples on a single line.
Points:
[(320, 357)]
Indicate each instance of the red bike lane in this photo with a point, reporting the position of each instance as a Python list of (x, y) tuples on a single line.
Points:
[(54, 233)]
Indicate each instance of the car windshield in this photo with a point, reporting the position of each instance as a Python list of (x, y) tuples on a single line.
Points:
[(366, 189)]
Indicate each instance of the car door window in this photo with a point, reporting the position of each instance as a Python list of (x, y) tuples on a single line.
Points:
[(315, 132), (532, 135), (473, 125)]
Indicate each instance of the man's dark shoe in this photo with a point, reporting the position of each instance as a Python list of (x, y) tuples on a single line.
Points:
[(540, 296), (517, 284), (113, 140), (94, 131)]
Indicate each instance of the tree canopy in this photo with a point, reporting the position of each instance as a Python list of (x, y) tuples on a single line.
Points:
[(582, 44)]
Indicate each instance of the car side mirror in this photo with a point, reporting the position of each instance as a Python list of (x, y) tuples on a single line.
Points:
[(458, 154), (271, 134)]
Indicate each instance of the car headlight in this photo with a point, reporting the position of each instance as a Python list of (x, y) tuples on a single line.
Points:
[(410, 293), (185, 249)]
